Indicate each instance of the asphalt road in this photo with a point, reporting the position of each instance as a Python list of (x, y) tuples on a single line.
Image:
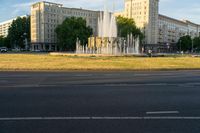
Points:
[(100, 102)]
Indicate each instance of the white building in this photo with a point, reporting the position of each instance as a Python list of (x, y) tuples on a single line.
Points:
[(157, 28), (46, 16), (170, 29)]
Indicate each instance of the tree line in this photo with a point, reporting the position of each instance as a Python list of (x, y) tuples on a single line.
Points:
[(187, 44), (17, 32)]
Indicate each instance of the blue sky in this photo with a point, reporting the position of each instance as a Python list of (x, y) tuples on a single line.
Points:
[(181, 9)]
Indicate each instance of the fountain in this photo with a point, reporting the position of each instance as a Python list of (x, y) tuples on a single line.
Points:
[(107, 41), (107, 26)]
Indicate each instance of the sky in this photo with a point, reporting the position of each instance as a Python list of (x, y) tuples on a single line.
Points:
[(179, 9)]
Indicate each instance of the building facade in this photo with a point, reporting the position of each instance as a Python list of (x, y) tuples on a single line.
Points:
[(46, 16), (4, 26), (145, 15), (157, 28), (170, 29)]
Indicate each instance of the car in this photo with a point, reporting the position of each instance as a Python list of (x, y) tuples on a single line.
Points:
[(16, 50), (3, 49)]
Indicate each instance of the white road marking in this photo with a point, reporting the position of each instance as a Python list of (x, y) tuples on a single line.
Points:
[(111, 75), (83, 75), (162, 112), (25, 86), (98, 118), (123, 84)]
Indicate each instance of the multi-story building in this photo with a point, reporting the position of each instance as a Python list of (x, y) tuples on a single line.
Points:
[(170, 29), (157, 28), (4, 26), (46, 16), (145, 15)]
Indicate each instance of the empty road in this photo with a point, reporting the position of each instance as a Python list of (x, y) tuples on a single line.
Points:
[(100, 102)]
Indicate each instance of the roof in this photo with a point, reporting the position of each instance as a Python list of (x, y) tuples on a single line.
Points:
[(186, 22)]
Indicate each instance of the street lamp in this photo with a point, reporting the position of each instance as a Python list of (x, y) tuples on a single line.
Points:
[(26, 41), (24, 36)]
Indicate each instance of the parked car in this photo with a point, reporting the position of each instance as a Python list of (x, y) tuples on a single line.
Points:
[(16, 50), (3, 49)]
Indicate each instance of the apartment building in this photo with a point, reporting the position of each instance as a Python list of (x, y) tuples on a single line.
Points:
[(46, 16), (145, 15), (170, 29), (4, 26), (157, 28)]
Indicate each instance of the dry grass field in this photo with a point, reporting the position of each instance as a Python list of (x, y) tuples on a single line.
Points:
[(38, 62)]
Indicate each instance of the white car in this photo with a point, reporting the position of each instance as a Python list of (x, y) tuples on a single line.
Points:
[(3, 49)]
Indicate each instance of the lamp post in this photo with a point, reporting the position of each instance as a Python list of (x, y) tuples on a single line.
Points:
[(26, 34), (26, 41)]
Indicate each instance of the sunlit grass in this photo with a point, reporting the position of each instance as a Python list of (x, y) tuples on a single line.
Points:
[(48, 62)]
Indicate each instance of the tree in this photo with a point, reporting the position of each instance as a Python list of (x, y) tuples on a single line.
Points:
[(196, 43), (4, 42), (71, 29), (127, 26), (185, 43), (1, 41), (19, 30)]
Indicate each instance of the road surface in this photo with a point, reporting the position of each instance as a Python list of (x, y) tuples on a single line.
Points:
[(100, 102)]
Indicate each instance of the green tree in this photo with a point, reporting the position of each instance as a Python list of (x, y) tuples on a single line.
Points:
[(196, 43), (185, 43), (71, 29), (7, 42), (2, 41), (126, 26), (19, 30)]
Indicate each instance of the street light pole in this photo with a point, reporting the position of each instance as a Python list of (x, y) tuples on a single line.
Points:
[(26, 41), (25, 35)]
